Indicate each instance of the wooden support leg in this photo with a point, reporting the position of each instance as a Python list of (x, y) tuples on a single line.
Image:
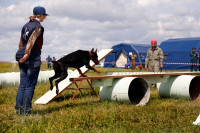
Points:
[(92, 87), (77, 89)]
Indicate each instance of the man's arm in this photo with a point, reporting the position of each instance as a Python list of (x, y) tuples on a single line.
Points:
[(147, 59), (191, 54), (161, 58), (36, 33)]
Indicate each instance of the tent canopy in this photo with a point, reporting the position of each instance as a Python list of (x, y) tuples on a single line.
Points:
[(177, 52), (121, 54)]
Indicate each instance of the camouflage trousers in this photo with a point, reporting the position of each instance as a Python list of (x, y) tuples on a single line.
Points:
[(153, 66)]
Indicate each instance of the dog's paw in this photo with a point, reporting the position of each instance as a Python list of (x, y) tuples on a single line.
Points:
[(51, 87), (57, 91), (83, 75)]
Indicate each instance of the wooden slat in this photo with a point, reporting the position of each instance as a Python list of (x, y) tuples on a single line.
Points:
[(136, 75)]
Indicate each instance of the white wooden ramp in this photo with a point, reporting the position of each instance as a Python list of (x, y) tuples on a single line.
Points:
[(51, 94)]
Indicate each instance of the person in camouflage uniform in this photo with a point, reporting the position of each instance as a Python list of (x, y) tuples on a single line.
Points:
[(133, 60), (193, 59), (199, 59), (154, 58)]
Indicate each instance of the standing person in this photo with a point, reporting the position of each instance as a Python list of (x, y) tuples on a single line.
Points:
[(193, 59), (199, 58), (48, 59), (133, 59), (28, 57), (54, 59), (154, 58), (143, 60)]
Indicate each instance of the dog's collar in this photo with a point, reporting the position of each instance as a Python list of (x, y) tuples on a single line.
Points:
[(90, 55)]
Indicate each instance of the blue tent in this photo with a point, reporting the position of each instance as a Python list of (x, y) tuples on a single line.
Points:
[(124, 49), (177, 52)]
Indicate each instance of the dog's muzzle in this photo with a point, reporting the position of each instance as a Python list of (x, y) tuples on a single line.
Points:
[(96, 62)]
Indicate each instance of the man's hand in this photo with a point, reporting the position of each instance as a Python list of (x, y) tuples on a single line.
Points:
[(146, 67), (161, 66), (23, 59)]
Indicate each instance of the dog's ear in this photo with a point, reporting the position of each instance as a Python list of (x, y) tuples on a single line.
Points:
[(92, 50), (96, 51)]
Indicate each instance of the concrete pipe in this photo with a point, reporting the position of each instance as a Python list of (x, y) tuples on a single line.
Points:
[(13, 78), (184, 86), (130, 89), (9, 79), (44, 76)]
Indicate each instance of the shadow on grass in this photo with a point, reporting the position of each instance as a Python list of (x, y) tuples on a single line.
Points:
[(66, 97), (69, 96), (60, 107)]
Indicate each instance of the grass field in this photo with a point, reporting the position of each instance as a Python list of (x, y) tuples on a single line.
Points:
[(87, 113)]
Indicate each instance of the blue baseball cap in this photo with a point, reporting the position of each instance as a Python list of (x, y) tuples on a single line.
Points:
[(38, 10)]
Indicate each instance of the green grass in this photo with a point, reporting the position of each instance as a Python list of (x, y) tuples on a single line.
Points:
[(13, 67), (87, 113)]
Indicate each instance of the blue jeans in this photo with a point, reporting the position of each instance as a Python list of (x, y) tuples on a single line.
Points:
[(28, 79), (49, 65)]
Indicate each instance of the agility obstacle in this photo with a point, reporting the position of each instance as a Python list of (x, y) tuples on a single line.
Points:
[(66, 83), (133, 86)]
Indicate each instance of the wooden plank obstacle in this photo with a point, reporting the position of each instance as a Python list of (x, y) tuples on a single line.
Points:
[(66, 83)]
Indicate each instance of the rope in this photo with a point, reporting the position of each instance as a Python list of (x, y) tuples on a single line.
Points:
[(168, 63)]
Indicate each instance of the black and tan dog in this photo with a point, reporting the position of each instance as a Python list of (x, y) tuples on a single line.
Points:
[(76, 60)]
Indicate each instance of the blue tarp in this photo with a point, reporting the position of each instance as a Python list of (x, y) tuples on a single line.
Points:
[(178, 52), (126, 48)]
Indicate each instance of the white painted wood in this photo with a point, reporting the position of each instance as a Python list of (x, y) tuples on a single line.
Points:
[(197, 122)]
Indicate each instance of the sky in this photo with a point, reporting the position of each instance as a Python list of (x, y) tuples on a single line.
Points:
[(99, 24)]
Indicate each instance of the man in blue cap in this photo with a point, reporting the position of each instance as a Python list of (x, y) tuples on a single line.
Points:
[(28, 57)]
